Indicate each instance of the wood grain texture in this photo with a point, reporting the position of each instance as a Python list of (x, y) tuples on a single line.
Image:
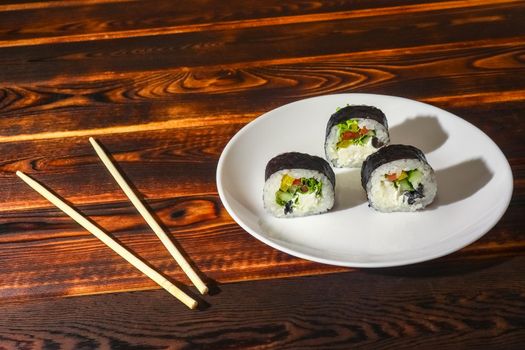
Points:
[(274, 42), (164, 87), (103, 20), (446, 305), (173, 98)]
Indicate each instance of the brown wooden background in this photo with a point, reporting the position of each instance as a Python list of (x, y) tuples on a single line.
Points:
[(164, 85)]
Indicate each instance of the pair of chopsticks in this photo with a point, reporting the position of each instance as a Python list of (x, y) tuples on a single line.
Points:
[(117, 247)]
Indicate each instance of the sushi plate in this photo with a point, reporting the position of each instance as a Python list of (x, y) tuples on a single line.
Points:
[(473, 176)]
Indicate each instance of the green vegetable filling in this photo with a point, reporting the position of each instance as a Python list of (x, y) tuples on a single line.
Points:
[(407, 181), (351, 134), (291, 188)]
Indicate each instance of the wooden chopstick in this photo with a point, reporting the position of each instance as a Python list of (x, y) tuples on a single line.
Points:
[(179, 258), (110, 242)]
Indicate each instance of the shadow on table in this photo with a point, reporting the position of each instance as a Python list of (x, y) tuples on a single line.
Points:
[(442, 267), (424, 132)]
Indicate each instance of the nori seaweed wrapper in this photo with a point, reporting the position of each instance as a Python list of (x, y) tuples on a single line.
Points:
[(388, 154), (353, 112), (296, 160)]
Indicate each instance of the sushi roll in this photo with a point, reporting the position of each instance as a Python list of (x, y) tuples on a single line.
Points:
[(398, 178), (298, 184), (353, 133)]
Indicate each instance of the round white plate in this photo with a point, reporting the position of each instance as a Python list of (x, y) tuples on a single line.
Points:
[(474, 185)]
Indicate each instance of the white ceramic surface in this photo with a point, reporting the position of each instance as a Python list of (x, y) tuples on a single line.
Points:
[(474, 185)]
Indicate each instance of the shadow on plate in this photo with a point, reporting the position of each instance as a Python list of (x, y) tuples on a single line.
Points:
[(461, 181), (349, 192), (423, 132)]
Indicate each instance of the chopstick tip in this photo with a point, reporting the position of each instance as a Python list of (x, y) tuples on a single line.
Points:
[(204, 290), (19, 173)]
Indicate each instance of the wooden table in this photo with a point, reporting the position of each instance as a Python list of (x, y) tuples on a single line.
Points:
[(164, 85)]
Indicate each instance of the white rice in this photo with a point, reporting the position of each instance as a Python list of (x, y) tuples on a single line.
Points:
[(384, 197), (353, 156), (308, 204)]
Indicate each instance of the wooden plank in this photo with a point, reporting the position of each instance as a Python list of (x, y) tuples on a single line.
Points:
[(271, 8), (21, 5), (446, 305), (102, 20), (167, 163), (273, 42), (115, 103)]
